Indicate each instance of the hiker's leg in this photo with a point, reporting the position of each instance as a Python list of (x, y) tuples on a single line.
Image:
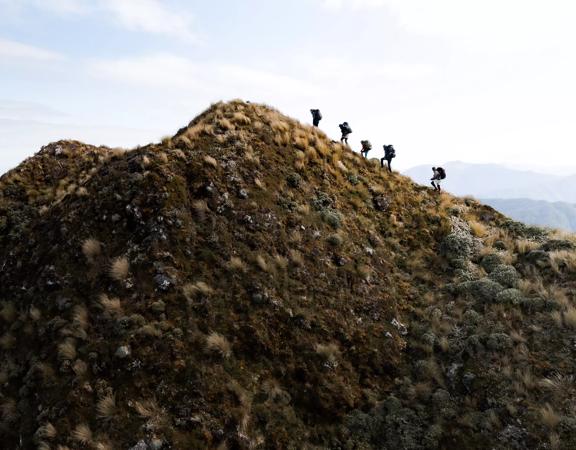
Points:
[(390, 165)]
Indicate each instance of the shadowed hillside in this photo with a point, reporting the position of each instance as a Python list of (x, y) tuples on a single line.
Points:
[(250, 284)]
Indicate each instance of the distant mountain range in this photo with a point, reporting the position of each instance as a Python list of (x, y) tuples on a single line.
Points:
[(531, 197), (494, 181)]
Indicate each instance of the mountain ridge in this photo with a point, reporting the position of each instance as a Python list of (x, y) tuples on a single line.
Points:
[(250, 284)]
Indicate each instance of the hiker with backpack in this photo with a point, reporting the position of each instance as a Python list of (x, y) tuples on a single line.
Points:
[(346, 130), (366, 147), (316, 117), (389, 155), (439, 174)]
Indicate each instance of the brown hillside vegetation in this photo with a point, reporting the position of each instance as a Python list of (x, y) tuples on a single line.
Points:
[(250, 284)]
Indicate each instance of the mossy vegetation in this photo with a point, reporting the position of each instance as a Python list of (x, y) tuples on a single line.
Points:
[(248, 283)]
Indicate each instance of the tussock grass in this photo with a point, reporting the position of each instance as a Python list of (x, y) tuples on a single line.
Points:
[(563, 259), (262, 263), (82, 434), (190, 290), (236, 264), (147, 408), (478, 229), (120, 268), (218, 344), (35, 314), (67, 350), (569, 317), (524, 246), (112, 306), (210, 161), (80, 316), (330, 353), (550, 419), (282, 139), (296, 258), (80, 368), (106, 407), (46, 431), (241, 118), (259, 184)]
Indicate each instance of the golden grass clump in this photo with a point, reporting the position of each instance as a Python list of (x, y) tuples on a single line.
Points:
[(147, 408), (241, 118), (282, 138), (200, 208), (80, 316), (120, 268), (83, 434), (46, 431), (561, 259), (106, 407), (210, 161), (329, 353), (218, 344), (112, 306), (280, 126), (548, 416), (478, 229), (259, 184), (296, 258), (262, 264), (226, 124), (236, 264), (67, 350), (192, 289), (524, 246), (80, 368), (569, 317)]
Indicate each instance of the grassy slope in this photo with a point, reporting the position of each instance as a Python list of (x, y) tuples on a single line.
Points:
[(266, 265)]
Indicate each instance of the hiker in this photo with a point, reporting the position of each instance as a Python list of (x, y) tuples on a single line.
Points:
[(346, 130), (316, 117), (439, 174), (389, 154), (366, 147)]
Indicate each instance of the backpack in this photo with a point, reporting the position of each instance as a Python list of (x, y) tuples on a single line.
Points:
[(345, 128), (366, 145), (318, 114), (441, 172), (389, 151)]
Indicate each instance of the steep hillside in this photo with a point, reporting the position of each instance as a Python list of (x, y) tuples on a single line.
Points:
[(250, 284)]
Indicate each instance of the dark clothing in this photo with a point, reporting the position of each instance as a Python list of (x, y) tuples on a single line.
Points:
[(389, 155), (388, 160), (346, 130), (316, 117)]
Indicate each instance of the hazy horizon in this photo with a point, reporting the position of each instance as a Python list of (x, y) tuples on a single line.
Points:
[(442, 81)]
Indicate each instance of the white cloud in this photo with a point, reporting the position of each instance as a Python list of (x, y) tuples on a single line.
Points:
[(175, 73), (494, 24), (149, 16), (18, 51)]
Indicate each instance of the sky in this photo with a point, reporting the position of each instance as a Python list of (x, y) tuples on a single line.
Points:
[(443, 80)]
